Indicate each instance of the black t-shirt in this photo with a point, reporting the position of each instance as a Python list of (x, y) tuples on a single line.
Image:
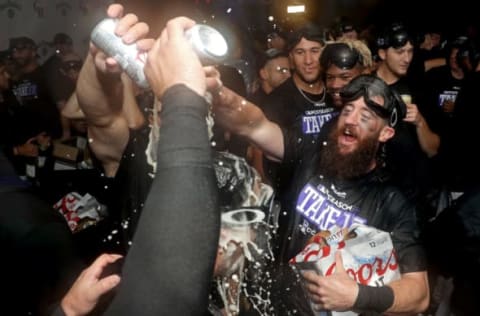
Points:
[(313, 203), (409, 166), (287, 106), (461, 154), (317, 203), (290, 109), (35, 111), (441, 86)]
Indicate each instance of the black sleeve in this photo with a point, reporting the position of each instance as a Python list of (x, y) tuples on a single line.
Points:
[(169, 268), (405, 233)]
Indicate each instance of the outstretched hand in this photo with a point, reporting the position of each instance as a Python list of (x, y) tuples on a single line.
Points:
[(89, 287), (336, 292)]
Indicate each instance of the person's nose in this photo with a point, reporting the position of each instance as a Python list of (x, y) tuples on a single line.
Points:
[(352, 118), (309, 58), (337, 84)]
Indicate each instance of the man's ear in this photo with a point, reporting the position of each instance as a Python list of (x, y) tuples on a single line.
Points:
[(263, 74), (386, 133), (382, 53), (291, 60)]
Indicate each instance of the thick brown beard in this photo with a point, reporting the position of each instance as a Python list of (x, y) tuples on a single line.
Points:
[(335, 165)]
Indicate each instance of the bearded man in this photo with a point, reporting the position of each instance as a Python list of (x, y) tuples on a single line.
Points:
[(336, 184)]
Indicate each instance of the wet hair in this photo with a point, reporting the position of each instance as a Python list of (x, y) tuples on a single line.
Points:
[(368, 87), (311, 32), (396, 35), (239, 184), (340, 55)]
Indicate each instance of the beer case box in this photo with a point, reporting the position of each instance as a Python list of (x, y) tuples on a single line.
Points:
[(65, 152), (72, 150)]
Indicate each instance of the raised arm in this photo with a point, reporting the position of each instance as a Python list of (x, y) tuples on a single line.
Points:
[(428, 140), (244, 118), (169, 267), (100, 93)]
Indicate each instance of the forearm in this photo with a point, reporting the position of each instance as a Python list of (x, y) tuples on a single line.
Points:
[(411, 294), (428, 140), (244, 118), (170, 263), (436, 62), (99, 95)]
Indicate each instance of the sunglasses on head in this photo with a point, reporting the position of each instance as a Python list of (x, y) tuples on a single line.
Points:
[(368, 87)]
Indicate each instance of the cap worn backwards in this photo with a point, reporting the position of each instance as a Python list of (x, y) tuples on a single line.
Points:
[(368, 87)]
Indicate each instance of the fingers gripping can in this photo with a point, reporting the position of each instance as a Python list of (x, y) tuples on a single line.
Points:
[(209, 45), (128, 57)]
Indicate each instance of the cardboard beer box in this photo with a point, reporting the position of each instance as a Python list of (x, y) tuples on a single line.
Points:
[(368, 256), (70, 152)]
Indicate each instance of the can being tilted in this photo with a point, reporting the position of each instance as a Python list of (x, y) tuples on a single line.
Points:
[(209, 45)]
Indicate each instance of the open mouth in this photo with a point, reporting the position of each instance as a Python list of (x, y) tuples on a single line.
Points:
[(347, 137)]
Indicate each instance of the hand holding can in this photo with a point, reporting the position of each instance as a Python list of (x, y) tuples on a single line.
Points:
[(209, 45)]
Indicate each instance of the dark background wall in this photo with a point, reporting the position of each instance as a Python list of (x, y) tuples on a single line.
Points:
[(252, 14), (42, 19)]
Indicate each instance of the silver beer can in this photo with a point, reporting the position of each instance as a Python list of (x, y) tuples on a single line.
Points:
[(209, 45), (128, 57)]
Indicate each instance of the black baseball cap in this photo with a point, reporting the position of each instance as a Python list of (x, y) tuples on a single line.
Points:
[(62, 38), (341, 55), (311, 32), (396, 35), (370, 86), (22, 42)]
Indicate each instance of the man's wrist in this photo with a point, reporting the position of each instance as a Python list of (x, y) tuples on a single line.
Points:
[(372, 298)]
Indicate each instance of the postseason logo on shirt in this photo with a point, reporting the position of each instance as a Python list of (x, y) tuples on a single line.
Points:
[(312, 123), (323, 210), (447, 96)]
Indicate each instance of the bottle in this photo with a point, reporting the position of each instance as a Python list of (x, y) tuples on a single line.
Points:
[(210, 46)]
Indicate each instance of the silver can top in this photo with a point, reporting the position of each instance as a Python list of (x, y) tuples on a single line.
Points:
[(209, 44)]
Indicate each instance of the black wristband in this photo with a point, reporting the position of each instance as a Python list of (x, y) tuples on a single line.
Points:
[(373, 298)]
